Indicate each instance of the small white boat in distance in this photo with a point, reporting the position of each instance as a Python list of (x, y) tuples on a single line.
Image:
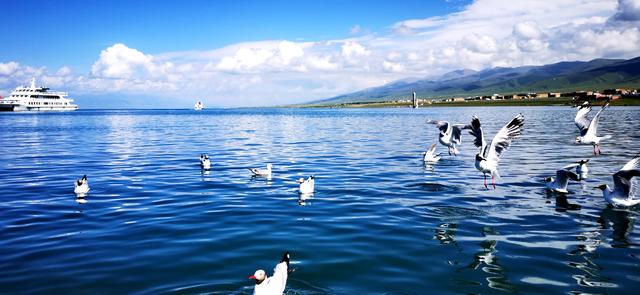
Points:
[(198, 106)]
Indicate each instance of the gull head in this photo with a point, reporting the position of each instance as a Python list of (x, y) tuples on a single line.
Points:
[(582, 162), (479, 158), (548, 179), (601, 187), (259, 276), (301, 180), (578, 139)]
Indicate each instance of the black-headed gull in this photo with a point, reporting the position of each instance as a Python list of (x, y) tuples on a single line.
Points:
[(489, 156), (449, 134), (624, 188), (306, 186), (581, 168), (588, 129), (205, 162), (275, 284), (81, 186), (560, 182), (262, 172), (430, 156)]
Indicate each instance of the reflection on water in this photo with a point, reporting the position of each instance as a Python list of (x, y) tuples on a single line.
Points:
[(383, 222)]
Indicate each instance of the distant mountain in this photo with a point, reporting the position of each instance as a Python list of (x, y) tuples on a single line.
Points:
[(562, 76)]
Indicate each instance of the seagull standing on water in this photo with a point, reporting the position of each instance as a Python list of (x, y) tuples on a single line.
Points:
[(81, 186), (489, 156), (623, 188), (205, 163), (262, 172), (588, 129), (449, 134), (560, 182), (430, 156), (581, 168), (275, 284), (306, 186)]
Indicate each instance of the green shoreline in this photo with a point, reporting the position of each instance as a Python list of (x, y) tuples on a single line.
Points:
[(475, 103)]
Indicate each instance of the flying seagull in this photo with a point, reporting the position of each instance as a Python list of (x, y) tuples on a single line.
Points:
[(588, 129), (623, 188), (560, 182), (449, 134), (489, 156)]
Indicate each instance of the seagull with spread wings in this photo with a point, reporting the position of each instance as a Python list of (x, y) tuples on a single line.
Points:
[(588, 129), (489, 156), (449, 134), (624, 187)]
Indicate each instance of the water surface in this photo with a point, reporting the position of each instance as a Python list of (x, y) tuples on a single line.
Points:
[(380, 222)]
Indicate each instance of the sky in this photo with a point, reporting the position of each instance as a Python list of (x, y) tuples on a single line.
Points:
[(169, 54)]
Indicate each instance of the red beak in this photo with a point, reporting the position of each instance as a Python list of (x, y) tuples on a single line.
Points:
[(252, 277)]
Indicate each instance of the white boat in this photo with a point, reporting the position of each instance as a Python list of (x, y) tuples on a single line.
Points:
[(36, 99), (198, 106)]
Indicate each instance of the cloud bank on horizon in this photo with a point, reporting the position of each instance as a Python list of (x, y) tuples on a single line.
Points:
[(484, 34)]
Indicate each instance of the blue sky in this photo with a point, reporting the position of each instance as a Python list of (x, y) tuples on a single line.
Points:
[(251, 53)]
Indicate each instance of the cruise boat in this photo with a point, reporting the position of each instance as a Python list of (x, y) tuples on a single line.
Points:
[(198, 106), (36, 99)]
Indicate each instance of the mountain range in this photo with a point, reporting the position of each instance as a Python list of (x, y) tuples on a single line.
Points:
[(596, 74)]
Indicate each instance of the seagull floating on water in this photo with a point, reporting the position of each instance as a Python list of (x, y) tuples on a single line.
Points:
[(489, 156), (449, 134), (581, 168), (588, 129), (430, 156), (262, 172), (624, 189), (306, 186), (275, 284), (81, 186), (205, 163), (560, 182)]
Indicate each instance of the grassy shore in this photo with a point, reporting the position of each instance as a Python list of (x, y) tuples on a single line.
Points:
[(475, 103)]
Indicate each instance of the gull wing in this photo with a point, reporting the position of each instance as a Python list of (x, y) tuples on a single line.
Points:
[(476, 131), (444, 126), (622, 183), (503, 139), (457, 133), (432, 150), (593, 126), (581, 118), (563, 176)]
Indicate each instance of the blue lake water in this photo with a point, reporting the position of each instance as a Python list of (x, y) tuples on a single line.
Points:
[(380, 222)]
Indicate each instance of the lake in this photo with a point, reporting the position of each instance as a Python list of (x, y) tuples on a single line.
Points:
[(380, 222)]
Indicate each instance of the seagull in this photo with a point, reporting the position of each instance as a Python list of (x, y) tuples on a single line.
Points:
[(581, 168), (262, 172), (623, 189), (205, 163), (306, 186), (430, 157), (449, 134), (81, 186), (588, 129), (560, 182), (489, 156), (275, 284)]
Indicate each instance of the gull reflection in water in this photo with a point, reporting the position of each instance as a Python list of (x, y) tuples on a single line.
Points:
[(204, 174), (81, 198), (621, 221), (303, 199), (488, 262)]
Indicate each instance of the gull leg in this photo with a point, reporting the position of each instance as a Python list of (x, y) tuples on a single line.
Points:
[(594, 149), (493, 182), (485, 181), (449, 150), (599, 151)]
